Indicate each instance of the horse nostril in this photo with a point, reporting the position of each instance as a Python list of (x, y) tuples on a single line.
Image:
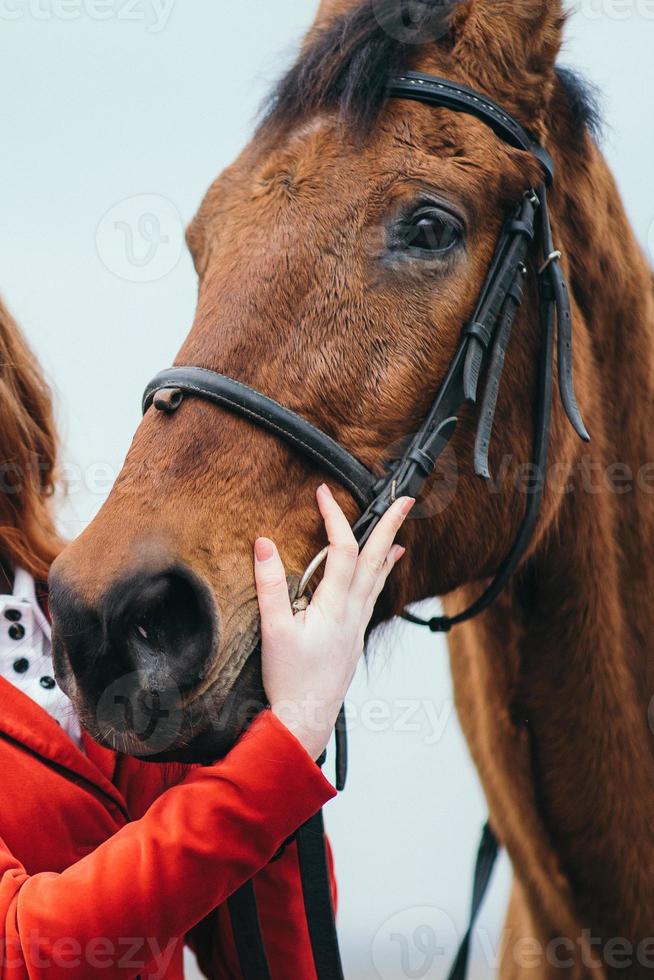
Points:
[(163, 626), (162, 617)]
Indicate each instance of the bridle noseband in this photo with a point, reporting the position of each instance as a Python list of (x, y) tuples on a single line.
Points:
[(481, 350)]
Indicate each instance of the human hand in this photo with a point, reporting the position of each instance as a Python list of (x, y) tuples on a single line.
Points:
[(309, 659)]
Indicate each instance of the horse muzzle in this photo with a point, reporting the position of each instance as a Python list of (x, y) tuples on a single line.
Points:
[(133, 665)]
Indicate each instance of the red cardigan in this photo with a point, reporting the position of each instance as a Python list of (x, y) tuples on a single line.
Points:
[(107, 864)]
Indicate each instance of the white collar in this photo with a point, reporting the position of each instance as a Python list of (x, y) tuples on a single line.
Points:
[(24, 588), (26, 654)]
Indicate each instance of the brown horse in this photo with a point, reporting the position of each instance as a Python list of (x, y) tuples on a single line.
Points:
[(311, 291)]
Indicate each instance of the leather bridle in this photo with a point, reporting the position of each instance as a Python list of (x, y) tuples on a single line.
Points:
[(481, 351)]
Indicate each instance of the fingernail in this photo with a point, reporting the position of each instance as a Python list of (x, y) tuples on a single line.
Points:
[(264, 549), (407, 505), (400, 553), (325, 489)]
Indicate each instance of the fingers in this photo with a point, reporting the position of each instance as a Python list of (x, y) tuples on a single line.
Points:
[(272, 589), (373, 567), (332, 593), (396, 553), (350, 578)]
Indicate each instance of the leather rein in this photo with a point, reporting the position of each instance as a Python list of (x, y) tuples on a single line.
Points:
[(481, 351)]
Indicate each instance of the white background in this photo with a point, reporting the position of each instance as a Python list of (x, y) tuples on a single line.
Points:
[(101, 102)]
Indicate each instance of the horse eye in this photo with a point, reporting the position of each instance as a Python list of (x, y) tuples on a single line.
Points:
[(430, 230)]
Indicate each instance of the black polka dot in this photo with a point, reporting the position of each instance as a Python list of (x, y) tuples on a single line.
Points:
[(47, 682), (13, 615), (20, 666), (16, 631)]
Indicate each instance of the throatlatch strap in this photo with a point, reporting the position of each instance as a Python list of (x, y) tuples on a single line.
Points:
[(486, 860), (246, 929)]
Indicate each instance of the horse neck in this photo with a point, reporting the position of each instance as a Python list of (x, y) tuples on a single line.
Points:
[(554, 684), (613, 285)]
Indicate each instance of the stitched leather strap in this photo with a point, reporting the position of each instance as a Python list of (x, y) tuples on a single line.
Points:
[(442, 92), (268, 414), (494, 378)]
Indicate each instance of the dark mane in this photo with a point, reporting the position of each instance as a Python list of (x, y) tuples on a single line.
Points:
[(583, 98), (346, 66)]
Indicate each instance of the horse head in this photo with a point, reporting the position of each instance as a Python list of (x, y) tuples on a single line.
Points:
[(337, 258)]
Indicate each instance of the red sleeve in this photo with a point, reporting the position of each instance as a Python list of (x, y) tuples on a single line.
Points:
[(280, 904), (162, 874)]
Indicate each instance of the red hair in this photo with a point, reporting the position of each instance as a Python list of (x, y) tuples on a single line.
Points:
[(28, 456)]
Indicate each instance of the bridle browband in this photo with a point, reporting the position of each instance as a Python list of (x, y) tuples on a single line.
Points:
[(481, 350)]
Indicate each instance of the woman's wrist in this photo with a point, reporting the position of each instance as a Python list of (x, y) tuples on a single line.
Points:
[(312, 729)]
